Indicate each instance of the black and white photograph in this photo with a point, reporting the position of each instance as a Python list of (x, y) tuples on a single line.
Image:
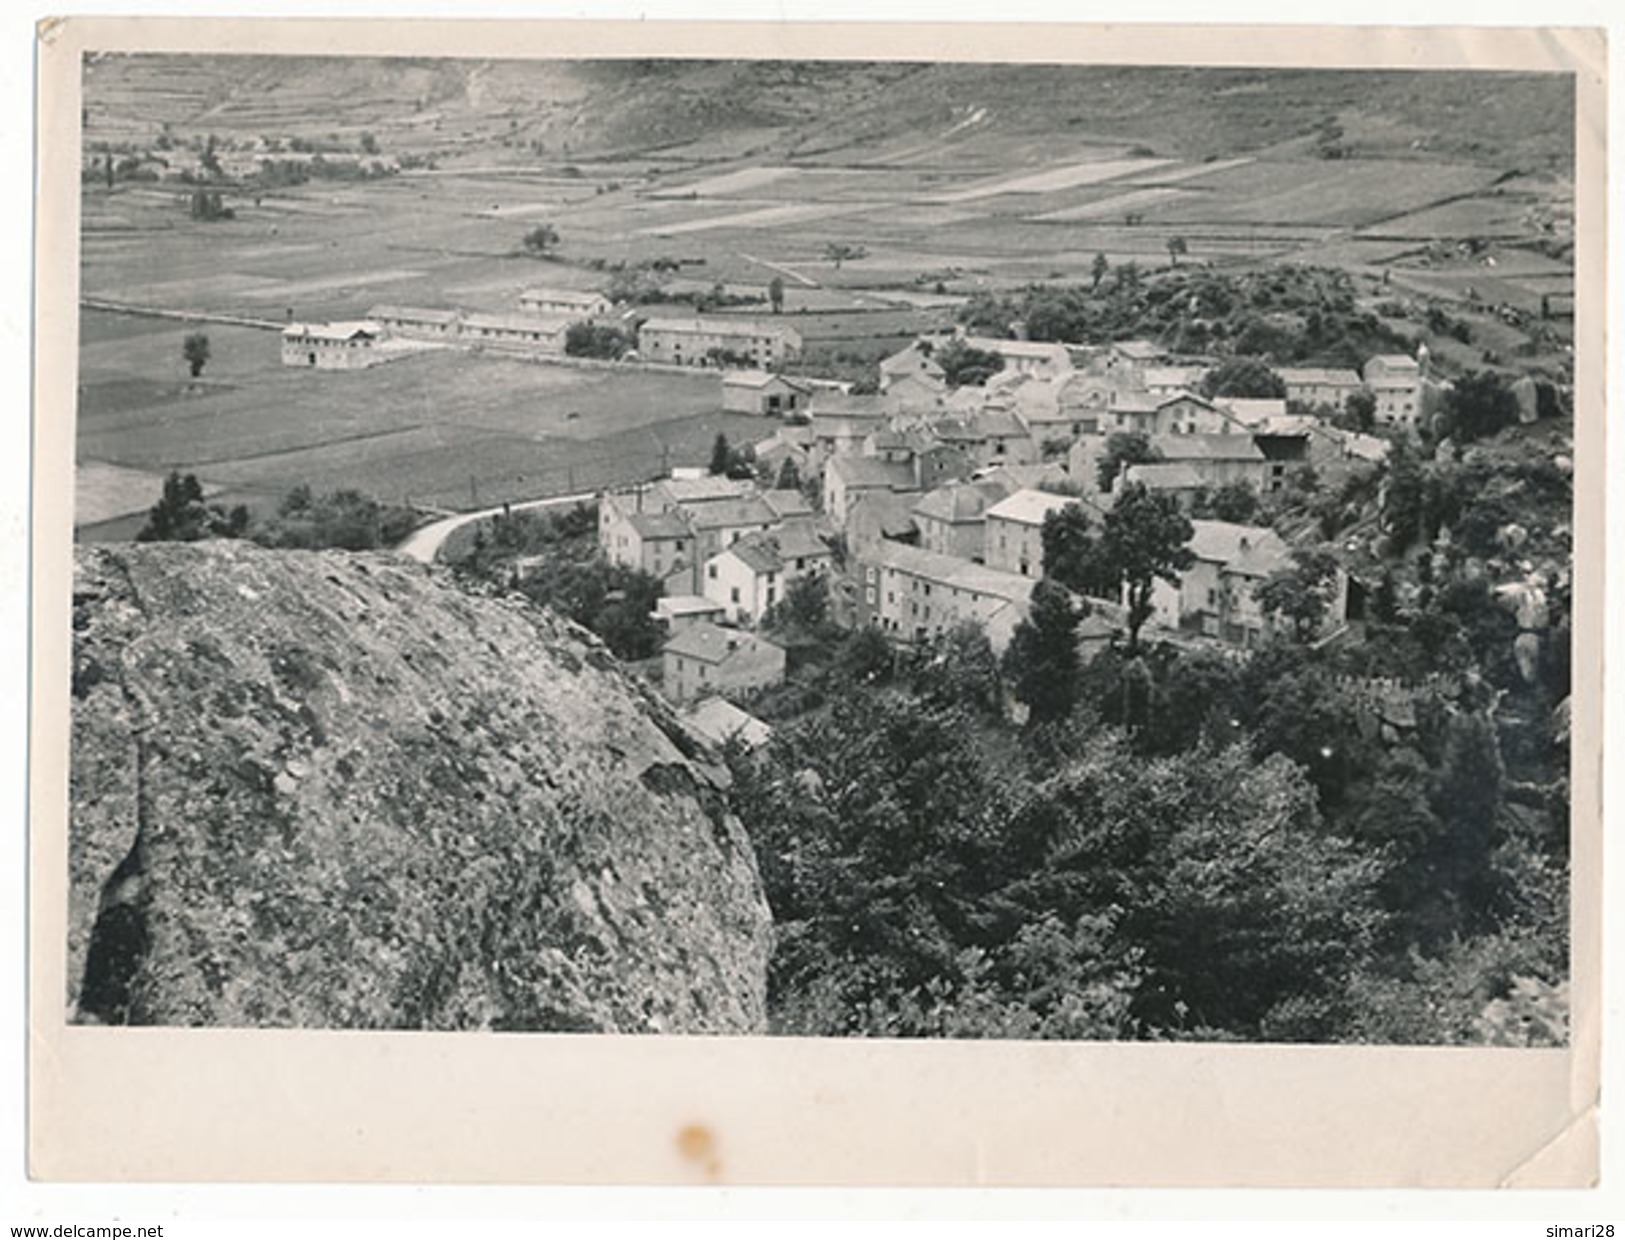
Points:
[(877, 548)]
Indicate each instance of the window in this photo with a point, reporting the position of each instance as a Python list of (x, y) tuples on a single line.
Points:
[(733, 594), (869, 595), (711, 571)]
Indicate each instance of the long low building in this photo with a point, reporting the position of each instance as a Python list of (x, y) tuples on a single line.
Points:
[(913, 594), (716, 341), (333, 346)]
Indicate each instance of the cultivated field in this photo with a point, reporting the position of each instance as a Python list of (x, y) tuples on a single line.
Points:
[(948, 182)]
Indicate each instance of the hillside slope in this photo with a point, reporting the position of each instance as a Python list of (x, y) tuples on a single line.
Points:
[(321, 790), (833, 111)]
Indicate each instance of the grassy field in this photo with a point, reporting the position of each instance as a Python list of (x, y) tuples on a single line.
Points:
[(443, 428)]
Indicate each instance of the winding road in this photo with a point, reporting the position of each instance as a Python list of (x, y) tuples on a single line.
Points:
[(424, 545)]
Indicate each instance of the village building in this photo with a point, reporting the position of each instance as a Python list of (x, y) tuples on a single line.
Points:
[(952, 519), (1179, 413), (1318, 385), (987, 439), (880, 516), (515, 333), (751, 575), (1132, 358), (840, 423), (351, 345), (713, 341), (1396, 382), (1033, 358), (721, 722), (676, 612), (1217, 595), (658, 543), (1013, 537), (914, 362), (706, 658), (572, 304), (847, 477), (913, 594), (1218, 460), (1167, 380), (916, 395), (1180, 482), (1249, 411), (721, 524), (790, 507), (764, 393), (418, 322)]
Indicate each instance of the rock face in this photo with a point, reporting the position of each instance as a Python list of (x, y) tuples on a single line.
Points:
[(314, 789)]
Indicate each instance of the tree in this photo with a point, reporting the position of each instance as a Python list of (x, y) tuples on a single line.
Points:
[(1123, 448), (1478, 404), (1302, 593), (789, 477), (209, 161), (1042, 659), (839, 251), (959, 669), (1235, 502), (965, 366), (775, 293), (195, 349), (1143, 541), (1177, 246), (541, 239), (722, 457), (1097, 271), (181, 515), (207, 205), (596, 340), (1361, 408), (1072, 551), (1248, 378), (804, 607), (369, 144)]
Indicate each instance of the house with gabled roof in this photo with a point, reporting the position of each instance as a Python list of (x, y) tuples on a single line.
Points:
[(751, 575), (1013, 537), (349, 345), (951, 519), (1217, 459), (721, 722), (1179, 481), (847, 477), (1396, 382), (707, 658), (764, 393), (1217, 595)]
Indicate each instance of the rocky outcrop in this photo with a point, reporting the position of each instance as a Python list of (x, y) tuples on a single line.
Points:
[(314, 789)]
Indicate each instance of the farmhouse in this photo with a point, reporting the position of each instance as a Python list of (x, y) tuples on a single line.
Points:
[(1014, 534), (988, 439), (1026, 357), (333, 346), (717, 341), (417, 322), (1166, 380), (1178, 413), (913, 362), (762, 392), (913, 594), (516, 333), (705, 658), (566, 303)]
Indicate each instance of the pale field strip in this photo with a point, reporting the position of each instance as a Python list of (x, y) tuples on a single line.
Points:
[(1114, 205), (762, 217), (324, 283), (102, 491), (1069, 176), (1191, 172), (740, 181), (521, 210)]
